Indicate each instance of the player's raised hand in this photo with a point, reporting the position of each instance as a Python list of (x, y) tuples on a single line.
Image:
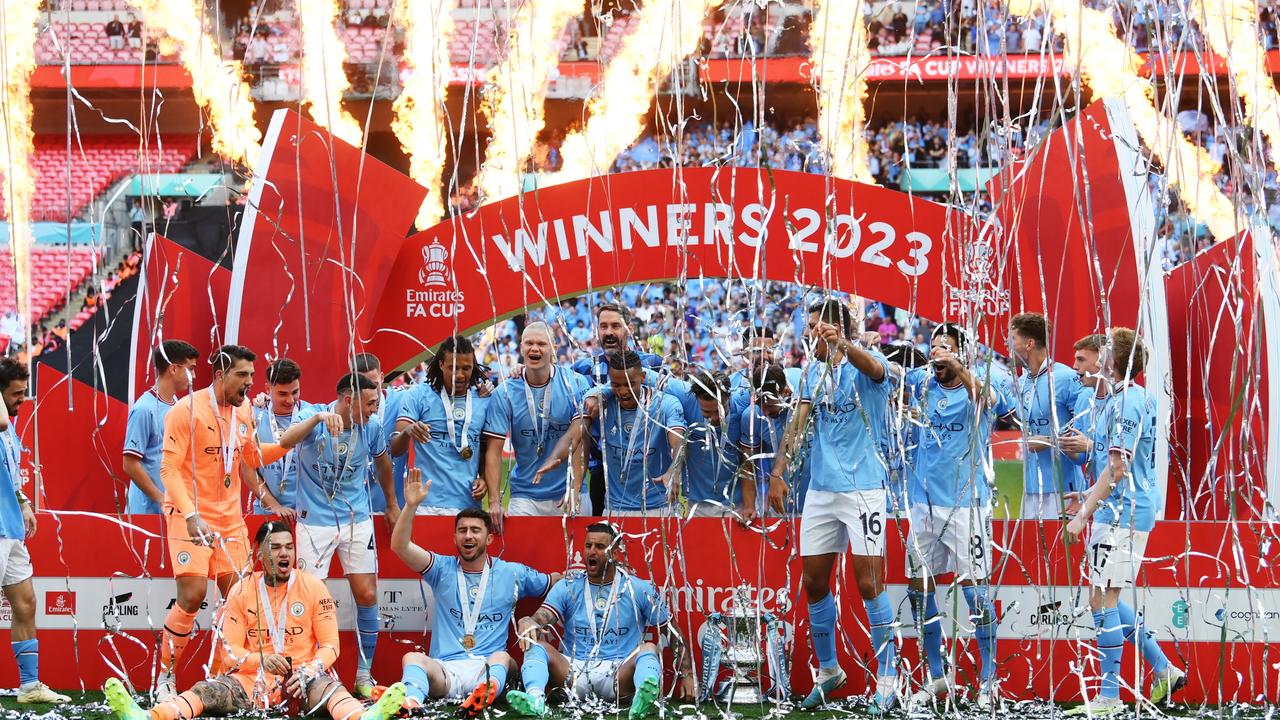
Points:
[(415, 487), (260, 400), (332, 422)]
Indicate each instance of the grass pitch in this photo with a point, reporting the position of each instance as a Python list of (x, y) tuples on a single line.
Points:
[(90, 706)]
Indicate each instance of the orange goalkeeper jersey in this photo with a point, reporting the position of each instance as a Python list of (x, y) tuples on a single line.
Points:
[(309, 627), (193, 469)]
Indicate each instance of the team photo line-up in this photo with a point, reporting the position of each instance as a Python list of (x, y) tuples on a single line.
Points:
[(860, 432)]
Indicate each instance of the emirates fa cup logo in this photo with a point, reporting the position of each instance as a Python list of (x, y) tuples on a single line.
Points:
[(435, 269)]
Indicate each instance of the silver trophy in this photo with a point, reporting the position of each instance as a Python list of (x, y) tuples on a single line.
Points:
[(752, 644)]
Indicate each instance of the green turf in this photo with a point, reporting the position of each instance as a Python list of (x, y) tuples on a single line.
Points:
[(90, 706), (1008, 490)]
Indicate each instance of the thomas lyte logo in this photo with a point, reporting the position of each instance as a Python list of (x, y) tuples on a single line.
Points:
[(435, 273), (435, 265)]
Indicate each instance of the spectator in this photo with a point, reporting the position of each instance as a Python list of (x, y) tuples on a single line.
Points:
[(135, 33), (115, 33)]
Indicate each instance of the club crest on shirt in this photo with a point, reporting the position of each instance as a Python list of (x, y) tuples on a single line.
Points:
[(244, 429), (459, 413), (296, 609), (184, 557), (627, 428), (601, 603), (473, 591), (342, 448), (942, 404)]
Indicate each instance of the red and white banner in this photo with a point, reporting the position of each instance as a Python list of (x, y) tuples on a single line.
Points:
[(1211, 596)]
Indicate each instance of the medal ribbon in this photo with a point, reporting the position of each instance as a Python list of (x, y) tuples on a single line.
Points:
[(596, 635), (540, 420), (229, 441), (276, 628), (447, 400), (470, 612)]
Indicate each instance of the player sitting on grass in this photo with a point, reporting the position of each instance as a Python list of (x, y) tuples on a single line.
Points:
[(604, 613), (280, 636), (475, 601)]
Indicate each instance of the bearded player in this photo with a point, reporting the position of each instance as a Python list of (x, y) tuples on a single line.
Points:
[(280, 640), (604, 613), (846, 394), (641, 433), (207, 435), (475, 599)]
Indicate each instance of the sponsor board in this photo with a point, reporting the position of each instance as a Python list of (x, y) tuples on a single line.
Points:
[(1026, 612)]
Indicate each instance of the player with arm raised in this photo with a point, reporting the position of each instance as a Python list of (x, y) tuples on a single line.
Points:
[(536, 409), (334, 446), (1045, 399), (642, 439), (846, 394), (475, 597), (446, 417), (604, 613), (949, 494), (1122, 504), (279, 640), (207, 435), (274, 486), (175, 363)]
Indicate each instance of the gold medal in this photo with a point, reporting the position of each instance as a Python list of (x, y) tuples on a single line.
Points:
[(466, 455), (226, 480), (468, 641)]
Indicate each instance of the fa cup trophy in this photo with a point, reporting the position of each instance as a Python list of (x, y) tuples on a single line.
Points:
[(751, 643)]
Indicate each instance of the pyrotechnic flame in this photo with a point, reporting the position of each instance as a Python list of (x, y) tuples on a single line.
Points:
[(1231, 28), (218, 85), (419, 111), (514, 100), (668, 31), (323, 79), (840, 60), (1110, 69), (18, 20)]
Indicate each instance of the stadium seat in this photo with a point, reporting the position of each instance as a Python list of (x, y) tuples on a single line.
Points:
[(95, 163)]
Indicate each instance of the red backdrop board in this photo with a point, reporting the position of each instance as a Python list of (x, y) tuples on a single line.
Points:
[(1220, 371), (76, 434), (316, 244), (183, 296), (1212, 590)]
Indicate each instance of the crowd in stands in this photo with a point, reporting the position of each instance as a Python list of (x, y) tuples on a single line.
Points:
[(700, 322), (743, 29)]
